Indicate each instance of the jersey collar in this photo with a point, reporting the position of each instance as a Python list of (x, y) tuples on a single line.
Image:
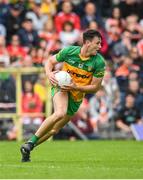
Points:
[(83, 58)]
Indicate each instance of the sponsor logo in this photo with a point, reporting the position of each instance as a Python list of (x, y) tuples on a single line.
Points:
[(78, 75)]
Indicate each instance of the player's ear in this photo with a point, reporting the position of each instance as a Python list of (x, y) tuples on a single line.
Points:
[(87, 43)]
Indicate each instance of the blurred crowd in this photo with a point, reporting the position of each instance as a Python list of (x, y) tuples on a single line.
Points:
[(33, 30)]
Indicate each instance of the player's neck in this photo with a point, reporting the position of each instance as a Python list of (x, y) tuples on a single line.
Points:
[(84, 52)]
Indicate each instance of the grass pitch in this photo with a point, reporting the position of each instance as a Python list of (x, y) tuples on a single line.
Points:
[(78, 160)]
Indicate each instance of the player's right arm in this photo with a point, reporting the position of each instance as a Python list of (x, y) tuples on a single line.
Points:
[(52, 61), (49, 66)]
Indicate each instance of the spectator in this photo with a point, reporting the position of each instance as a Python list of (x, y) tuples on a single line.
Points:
[(66, 15), (135, 90), (140, 47), (129, 7), (28, 36), (104, 7), (115, 18), (122, 74), (90, 15), (43, 44), (140, 101), (4, 56), (7, 93), (56, 47), (100, 109), (134, 28), (141, 21), (113, 33), (138, 60), (39, 59), (124, 45), (112, 89), (13, 20), (127, 115), (12, 131), (2, 30), (28, 63), (133, 87), (38, 19), (82, 121), (78, 7), (4, 8), (116, 14), (31, 103), (68, 35), (133, 76), (124, 68), (49, 34), (40, 88), (48, 7), (15, 50), (7, 129)]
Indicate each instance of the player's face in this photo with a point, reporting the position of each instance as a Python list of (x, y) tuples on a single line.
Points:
[(94, 45)]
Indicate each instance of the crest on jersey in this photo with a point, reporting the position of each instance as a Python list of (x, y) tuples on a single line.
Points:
[(80, 65)]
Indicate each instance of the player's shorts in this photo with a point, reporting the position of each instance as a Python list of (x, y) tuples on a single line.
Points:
[(73, 106)]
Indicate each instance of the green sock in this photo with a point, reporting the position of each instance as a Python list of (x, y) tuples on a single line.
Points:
[(33, 139)]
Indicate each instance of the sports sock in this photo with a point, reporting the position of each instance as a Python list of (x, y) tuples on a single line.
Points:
[(33, 139)]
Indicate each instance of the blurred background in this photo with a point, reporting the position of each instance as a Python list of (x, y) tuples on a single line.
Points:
[(33, 30)]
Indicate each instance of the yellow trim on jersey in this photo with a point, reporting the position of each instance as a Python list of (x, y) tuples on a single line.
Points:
[(83, 58)]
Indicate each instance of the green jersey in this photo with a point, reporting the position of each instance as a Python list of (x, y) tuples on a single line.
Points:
[(81, 69)]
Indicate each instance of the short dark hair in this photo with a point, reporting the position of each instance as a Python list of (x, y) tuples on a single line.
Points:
[(129, 93), (90, 34), (67, 23), (27, 20)]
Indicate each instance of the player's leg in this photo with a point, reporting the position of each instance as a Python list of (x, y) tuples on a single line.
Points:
[(55, 129), (72, 109), (60, 101)]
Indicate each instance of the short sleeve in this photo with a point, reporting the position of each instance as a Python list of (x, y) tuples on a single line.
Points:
[(100, 69), (61, 56)]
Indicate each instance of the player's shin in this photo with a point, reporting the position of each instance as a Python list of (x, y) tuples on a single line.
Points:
[(55, 129), (45, 137)]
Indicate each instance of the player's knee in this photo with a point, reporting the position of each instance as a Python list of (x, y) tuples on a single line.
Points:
[(54, 131), (59, 115)]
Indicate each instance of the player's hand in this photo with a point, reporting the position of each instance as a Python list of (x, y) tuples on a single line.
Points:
[(52, 79), (69, 87)]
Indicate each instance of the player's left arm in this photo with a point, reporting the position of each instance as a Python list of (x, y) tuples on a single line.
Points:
[(96, 82), (92, 88)]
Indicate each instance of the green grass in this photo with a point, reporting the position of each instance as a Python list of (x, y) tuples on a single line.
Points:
[(67, 160)]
